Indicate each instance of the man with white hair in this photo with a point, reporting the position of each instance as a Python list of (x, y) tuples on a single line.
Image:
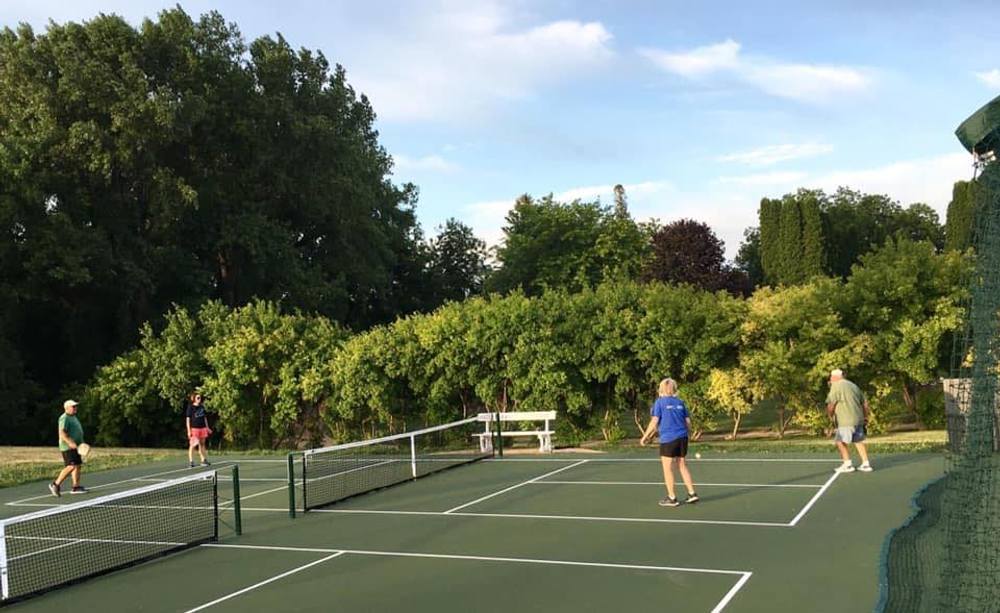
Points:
[(847, 402)]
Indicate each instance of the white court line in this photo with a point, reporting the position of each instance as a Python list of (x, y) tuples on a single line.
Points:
[(97, 487), (657, 460), (800, 485), (638, 520), (46, 550), (265, 582), (503, 515), (744, 575), (514, 487), (732, 592), (247, 461), (811, 502), (249, 496), (221, 478)]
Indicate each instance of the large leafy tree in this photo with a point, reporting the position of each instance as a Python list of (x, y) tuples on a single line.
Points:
[(790, 337), (903, 303), (554, 245), (457, 262), (175, 163), (688, 251)]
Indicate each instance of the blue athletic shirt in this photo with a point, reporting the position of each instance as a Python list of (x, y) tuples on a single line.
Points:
[(672, 413)]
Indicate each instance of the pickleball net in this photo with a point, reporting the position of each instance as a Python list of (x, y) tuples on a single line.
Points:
[(323, 476), (65, 544)]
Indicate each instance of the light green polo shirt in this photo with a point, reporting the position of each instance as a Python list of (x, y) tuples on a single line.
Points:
[(850, 403), (73, 428)]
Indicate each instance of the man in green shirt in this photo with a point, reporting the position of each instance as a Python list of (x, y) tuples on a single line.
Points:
[(850, 406), (70, 437)]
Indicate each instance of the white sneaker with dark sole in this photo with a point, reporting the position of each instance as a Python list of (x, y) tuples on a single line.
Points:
[(866, 468)]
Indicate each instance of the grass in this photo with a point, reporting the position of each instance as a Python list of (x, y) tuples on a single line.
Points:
[(26, 464)]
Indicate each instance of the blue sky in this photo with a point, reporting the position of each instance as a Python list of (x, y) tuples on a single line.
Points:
[(699, 109)]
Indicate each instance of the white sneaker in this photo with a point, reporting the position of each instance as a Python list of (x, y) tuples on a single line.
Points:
[(846, 467), (865, 468)]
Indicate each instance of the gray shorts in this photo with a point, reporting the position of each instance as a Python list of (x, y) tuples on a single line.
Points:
[(849, 434)]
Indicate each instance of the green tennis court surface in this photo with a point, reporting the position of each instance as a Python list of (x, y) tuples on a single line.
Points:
[(559, 532)]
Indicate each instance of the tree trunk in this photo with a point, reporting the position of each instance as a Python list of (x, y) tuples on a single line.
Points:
[(910, 398), (737, 418)]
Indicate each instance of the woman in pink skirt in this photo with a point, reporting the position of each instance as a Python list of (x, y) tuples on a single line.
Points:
[(197, 428)]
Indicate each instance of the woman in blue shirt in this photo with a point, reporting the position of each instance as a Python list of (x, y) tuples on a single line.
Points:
[(669, 416)]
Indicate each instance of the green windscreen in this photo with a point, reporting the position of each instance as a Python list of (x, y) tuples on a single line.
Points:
[(947, 556)]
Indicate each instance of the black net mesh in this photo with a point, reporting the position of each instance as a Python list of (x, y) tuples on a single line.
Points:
[(65, 544), (970, 573), (335, 473), (947, 558)]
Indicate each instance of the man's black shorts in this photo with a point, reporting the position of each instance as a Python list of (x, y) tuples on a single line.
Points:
[(71, 457), (677, 448)]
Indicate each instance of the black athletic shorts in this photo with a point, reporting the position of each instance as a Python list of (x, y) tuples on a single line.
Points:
[(677, 448), (71, 457)]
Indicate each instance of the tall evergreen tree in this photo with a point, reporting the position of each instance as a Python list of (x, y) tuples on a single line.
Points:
[(770, 226), (791, 268), (813, 259), (960, 219)]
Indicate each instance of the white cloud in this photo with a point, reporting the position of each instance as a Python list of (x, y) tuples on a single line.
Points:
[(927, 180), (990, 78), (797, 81), (806, 82), (765, 179), (772, 154), (697, 62), (428, 163), (459, 61), (606, 192)]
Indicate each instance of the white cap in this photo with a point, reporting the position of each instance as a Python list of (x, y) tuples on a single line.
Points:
[(70, 403), (836, 372)]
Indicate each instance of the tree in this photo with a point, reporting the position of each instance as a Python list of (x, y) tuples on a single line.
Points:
[(457, 262), (688, 251), (770, 225), (790, 246), (175, 163), (732, 389), (786, 342), (813, 259), (748, 258), (960, 221), (903, 301), (553, 245), (919, 222)]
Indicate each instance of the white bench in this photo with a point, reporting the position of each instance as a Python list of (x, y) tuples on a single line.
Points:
[(544, 435)]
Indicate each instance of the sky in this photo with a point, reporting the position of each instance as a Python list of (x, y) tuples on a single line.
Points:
[(699, 109)]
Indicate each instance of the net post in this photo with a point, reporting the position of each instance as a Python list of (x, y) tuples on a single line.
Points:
[(291, 485), (4, 584), (413, 456), (237, 512), (215, 502), (499, 430)]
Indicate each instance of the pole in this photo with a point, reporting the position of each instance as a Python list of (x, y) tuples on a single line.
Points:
[(237, 512)]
